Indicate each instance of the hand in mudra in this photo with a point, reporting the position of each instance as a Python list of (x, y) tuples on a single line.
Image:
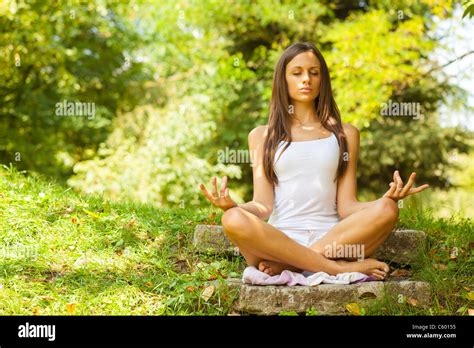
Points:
[(221, 200), (397, 191)]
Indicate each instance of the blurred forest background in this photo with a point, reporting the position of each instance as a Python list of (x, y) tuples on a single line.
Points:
[(174, 83)]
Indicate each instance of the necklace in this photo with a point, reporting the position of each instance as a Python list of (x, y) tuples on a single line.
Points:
[(301, 125)]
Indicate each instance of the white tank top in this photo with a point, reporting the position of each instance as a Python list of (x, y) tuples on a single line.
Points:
[(305, 197)]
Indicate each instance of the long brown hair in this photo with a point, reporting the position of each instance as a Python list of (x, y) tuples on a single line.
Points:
[(279, 122)]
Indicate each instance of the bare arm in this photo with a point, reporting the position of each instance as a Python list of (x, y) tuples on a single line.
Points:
[(262, 202), (347, 202), (256, 209)]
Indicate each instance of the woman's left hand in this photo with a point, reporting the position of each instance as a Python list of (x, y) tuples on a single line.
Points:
[(397, 191)]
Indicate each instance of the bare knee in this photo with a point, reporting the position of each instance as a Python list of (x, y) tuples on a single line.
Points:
[(233, 221), (319, 248)]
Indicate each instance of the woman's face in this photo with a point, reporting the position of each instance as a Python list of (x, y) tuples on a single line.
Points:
[(303, 77)]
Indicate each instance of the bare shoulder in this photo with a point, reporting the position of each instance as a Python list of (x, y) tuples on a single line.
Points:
[(351, 131), (258, 133)]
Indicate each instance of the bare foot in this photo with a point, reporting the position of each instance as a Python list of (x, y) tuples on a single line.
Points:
[(272, 267), (368, 266)]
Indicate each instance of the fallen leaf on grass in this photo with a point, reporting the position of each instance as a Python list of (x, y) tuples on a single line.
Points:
[(131, 223), (207, 292), (190, 288), (454, 254), (401, 273), (212, 277), (70, 307), (149, 284), (355, 309), (440, 266), (412, 301), (47, 298), (74, 220), (35, 311)]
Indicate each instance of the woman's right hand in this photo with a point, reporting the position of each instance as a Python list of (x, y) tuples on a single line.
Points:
[(221, 200)]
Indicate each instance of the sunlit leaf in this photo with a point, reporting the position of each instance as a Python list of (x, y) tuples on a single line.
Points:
[(207, 292), (354, 308), (70, 307)]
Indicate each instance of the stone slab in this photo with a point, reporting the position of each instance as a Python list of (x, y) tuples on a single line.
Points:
[(327, 299), (402, 246)]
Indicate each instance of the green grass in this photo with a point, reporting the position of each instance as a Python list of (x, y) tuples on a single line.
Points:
[(67, 254), (446, 263), (62, 253)]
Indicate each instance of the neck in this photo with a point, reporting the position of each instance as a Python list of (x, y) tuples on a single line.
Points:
[(304, 113)]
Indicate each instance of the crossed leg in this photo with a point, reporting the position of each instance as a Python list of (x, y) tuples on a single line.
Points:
[(269, 249)]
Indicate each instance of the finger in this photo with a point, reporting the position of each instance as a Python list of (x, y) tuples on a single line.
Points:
[(418, 189), (214, 187), (223, 185), (392, 189), (206, 193), (394, 186), (399, 183), (399, 180), (409, 184)]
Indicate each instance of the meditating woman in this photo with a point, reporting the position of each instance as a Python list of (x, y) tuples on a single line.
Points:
[(304, 177)]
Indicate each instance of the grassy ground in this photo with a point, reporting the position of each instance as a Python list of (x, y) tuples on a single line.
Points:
[(65, 254)]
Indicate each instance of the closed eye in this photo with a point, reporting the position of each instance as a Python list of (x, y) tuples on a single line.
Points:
[(300, 74)]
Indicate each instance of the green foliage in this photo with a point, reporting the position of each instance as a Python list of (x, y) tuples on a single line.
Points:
[(72, 51), (174, 84), (468, 9)]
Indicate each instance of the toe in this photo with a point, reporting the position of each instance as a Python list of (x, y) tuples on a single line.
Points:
[(384, 267), (377, 276), (380, 273)]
